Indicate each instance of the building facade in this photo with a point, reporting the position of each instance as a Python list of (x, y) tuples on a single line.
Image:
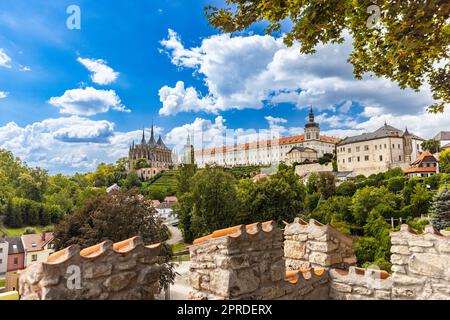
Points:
[(425, 165), (301, 155), (268, 151), (37, 247), (378, 151), (443, 138), (152, 157), (3, 256), (16, 253)]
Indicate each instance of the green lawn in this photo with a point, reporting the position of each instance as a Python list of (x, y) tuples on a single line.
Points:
[(19, 231), (179, 247), (2, 282)]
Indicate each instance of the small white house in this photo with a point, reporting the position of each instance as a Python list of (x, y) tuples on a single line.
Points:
[(3, 256), (165, 210)]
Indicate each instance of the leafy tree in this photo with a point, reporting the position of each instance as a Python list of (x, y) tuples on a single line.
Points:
[(440, 218), (312, 183), (327, 158), (366, 249), (407, 42), (431, 145), (115, 217), (210, 205), (187, 171), (396, 184), (282, 197), (367, 199), (420, 200), (326, 184), (395, 172), (333, 209), (132, 181), (444, 161), (140, 163), (346, 189)]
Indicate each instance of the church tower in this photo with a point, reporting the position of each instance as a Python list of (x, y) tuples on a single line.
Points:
[(407, 146), (188, 152), (312, 128)]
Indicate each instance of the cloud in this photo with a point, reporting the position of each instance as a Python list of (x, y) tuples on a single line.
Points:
[(3, 94), (4, 59), (24, 68), (88, 102), (68, 144), (102, 74), (254, 71)]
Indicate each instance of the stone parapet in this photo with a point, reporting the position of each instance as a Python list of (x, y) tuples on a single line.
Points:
[(312, 244), (360, 284), (107, 271), (420, 264)]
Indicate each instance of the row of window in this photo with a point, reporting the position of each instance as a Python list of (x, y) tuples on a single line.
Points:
[(366, 158)]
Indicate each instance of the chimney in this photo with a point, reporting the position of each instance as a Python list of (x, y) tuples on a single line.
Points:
[(43, 236)]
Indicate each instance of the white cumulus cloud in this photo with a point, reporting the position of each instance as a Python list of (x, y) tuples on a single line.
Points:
[(3, 94), (4, 59), (102, 74), (88, 102)]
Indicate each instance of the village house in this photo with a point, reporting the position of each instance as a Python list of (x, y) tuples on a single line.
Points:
[(16, 253), (425, 165), (37, 247), (301, 155)]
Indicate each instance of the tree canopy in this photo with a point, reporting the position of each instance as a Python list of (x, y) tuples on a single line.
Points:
[(405, 41)]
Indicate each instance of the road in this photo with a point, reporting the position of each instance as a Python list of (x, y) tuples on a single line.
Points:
[(176, 235)]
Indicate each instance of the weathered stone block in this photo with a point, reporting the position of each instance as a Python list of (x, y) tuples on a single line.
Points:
[(341, 287), (401, 292), (362, 291), (400, 250), (294, 249), (431, 265), (382, 294), (421, 243), (119, 281), (94, 270), (400, 279), (399, 259)]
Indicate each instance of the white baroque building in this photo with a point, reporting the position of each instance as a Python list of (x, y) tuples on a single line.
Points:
[(268, 151), (378, 151)]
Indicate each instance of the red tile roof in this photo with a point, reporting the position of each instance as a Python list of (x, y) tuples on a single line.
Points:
[(36, 239), (421, 169)]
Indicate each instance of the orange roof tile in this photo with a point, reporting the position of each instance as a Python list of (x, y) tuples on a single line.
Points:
[(421, 169), (422, 156), (236, 231)]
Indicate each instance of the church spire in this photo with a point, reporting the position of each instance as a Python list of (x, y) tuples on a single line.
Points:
[(143, 136), (152, 141), (311, 115)]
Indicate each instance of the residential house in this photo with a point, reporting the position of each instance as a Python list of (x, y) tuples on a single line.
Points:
[(165, 210), (171, 199), (16, 253), (425, 165), (3, 256), (37, 247)]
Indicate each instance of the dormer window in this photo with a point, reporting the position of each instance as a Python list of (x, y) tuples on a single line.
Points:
[(33, 245)]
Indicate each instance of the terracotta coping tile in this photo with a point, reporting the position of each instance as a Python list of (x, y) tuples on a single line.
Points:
[(126, 245), (236, 231), (58, 256), (319, 272), (341, 272), (94, 251)]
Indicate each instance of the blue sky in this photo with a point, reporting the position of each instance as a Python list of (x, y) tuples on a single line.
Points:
[(70, 99)]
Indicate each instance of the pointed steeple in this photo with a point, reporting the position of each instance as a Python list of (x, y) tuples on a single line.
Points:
[(311, 115), (406, 131), (152, 141), (161, 142), (188, 141), (143, 137)]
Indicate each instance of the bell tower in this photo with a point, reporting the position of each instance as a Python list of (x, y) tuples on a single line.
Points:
[(312, 128)]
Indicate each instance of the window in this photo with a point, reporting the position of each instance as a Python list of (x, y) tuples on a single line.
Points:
[(349, 159), (366, 148), (358, 149), (34, 257), (399, 158), (343, 160), (366, 158), (16, 260), (385, 146), (349, 150), (376, 147), (359, 159), (381, 158), (1, 250), (393, 146), (399, 146), (1, 261)]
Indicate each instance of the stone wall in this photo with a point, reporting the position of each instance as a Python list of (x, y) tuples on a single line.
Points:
[(108, 271), (360, 284), (246, 262), (316, 245), (420, 264)]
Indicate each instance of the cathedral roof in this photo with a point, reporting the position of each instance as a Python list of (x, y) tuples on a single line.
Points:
[(161, 142)]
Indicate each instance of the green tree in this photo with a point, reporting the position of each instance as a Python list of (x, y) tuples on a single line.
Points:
[(334, 209), (140, 163), (187, 171), (396, 184), (407, 42), (440, 218), (326, 184), (132, 181), (115, 217), (420, 200), (431, 145), (210, 205), (282, 197), (346, 189), (444, 161), (366, 199)]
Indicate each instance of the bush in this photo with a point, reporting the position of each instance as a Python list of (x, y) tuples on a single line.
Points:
[(29, 231)]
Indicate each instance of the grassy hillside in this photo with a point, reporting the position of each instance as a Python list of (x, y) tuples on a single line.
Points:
[(162, 185)]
